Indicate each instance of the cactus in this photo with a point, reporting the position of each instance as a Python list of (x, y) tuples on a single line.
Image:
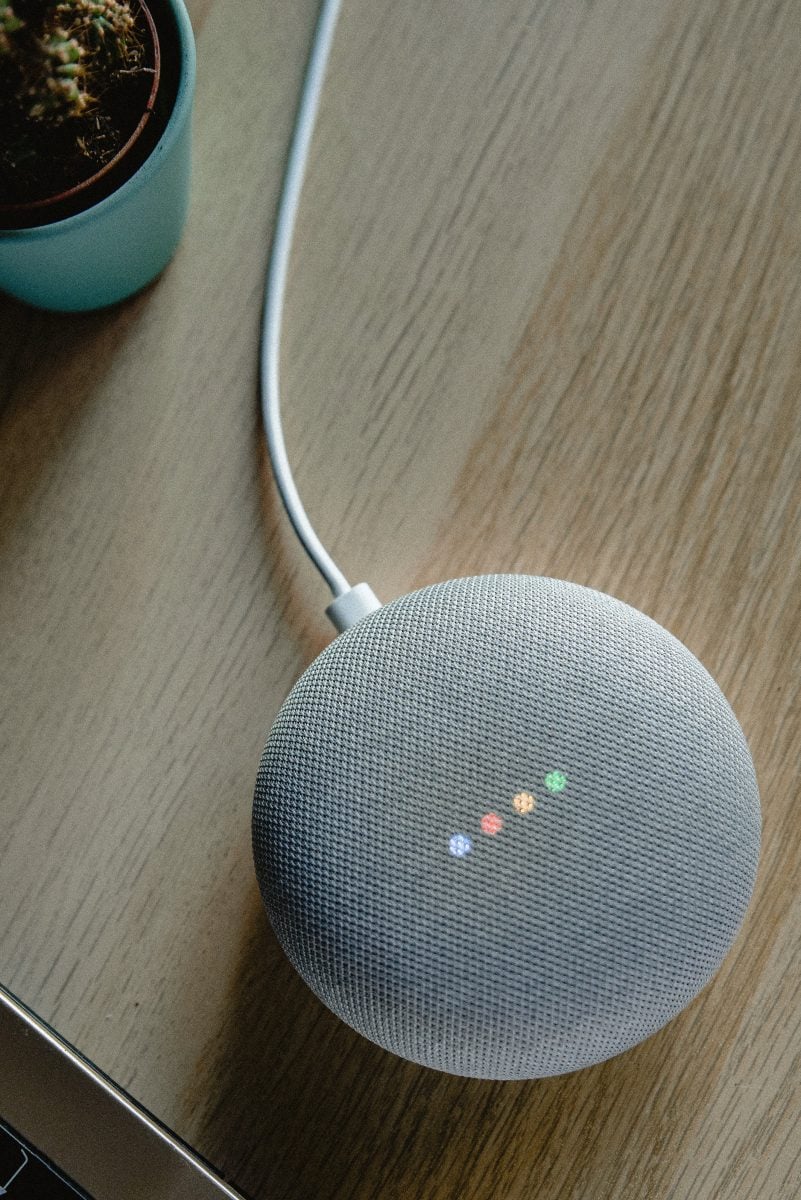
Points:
[(78, 41), (61, 90), (9, 24), (63, 66)]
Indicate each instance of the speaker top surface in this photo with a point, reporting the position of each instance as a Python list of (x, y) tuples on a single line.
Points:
[(506, 826)]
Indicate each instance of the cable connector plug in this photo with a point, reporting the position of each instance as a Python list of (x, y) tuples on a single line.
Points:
[(351, 606)]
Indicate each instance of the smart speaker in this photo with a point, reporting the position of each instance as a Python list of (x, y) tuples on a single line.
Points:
[(506, 826)]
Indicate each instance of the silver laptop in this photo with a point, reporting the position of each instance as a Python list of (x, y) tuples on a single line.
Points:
[(68, 1133)]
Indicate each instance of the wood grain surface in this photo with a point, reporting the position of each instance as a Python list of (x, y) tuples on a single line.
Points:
[(543, 316)]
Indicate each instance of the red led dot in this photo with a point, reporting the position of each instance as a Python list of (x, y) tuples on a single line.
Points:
[(491, 823)]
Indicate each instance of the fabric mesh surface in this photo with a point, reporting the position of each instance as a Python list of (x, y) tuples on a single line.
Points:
[(577, 929)]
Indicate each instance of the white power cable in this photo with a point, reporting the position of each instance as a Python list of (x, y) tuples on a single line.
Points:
[(275, 291)]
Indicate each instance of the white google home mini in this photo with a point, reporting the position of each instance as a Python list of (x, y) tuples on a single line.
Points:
[(504, 826)]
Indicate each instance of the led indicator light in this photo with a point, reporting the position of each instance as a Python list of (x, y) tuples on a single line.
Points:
[(555, 781), (460, 845), (491, 823), (524, 802)]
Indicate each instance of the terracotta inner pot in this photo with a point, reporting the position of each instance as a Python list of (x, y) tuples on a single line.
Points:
[(111, 174)]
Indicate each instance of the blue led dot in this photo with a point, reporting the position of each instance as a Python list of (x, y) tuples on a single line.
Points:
[(460, 845)]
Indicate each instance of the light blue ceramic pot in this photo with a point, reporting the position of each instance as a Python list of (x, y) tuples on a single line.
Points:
[(114, 248)]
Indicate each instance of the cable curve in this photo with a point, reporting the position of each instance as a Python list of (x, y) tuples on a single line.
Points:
[(275, 291)]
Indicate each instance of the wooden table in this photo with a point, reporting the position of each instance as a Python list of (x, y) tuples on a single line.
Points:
[(543, 316)]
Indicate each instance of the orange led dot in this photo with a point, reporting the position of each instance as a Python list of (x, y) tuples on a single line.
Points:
[(524, 802), (491, 823)]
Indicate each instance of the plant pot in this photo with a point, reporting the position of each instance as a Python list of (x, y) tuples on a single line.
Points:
[(128, 225)]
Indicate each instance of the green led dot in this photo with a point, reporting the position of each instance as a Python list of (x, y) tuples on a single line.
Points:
[(555, 781)]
